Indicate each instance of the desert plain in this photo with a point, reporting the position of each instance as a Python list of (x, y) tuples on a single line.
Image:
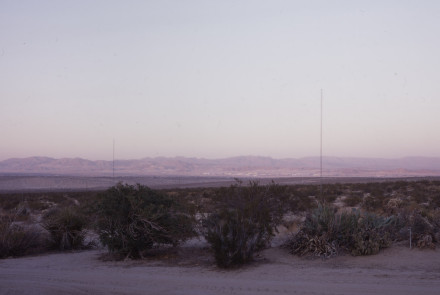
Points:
[(191, 269)]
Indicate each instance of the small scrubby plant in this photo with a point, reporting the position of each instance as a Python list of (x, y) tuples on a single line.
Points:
[(321, 220), (244, 222), (424, 229), (353, 200), (317, 235), (66, 227), (372, 234), (18, 240), (132, 219)]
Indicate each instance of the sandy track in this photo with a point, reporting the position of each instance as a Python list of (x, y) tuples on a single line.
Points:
[(396, 271)]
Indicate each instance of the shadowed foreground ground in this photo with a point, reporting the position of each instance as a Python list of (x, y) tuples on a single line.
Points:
[(397, 270)]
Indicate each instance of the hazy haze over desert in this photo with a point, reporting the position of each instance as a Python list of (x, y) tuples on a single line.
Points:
[(216, 79), (142, 143)]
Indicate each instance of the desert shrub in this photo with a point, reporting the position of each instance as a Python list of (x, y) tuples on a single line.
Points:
[(18, 240), (233, 237), (420, 193), (326, 233), (243, 222), (371, 234), (318, 234), (368, 241), (424, 228), (435, 201), (399, 185), (318, 245), (330, 198), (131, 219), (373, 203), (10, 201), (374, 188), (346, 226), (308, 190), (393, 205), (321, 221), (66, 227), (335, 189), (353, 200), (300, 203), (435, 219)]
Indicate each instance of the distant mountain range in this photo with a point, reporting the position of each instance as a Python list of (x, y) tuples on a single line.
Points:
[(244, 166)]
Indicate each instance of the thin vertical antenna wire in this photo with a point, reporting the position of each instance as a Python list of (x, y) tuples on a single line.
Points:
[(113, 169), (321, 150)]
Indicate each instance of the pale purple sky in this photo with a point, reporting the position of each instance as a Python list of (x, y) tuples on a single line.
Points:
[(219, 78)]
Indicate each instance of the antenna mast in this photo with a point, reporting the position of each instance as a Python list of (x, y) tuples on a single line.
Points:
[(321, 150), (113, 169)]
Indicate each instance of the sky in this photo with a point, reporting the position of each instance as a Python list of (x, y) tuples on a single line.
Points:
[(215, 79)]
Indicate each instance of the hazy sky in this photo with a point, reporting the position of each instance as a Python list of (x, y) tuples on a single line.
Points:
[(219, 78)]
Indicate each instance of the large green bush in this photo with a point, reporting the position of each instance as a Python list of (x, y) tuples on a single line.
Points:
[(132, 219), (244, 221)]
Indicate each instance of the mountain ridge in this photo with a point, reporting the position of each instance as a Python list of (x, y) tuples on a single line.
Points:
[(249, 166)]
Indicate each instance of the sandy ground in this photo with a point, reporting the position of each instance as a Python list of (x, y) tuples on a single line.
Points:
[(190, 270)]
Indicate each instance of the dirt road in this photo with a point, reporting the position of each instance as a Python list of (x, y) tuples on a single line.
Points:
[(395, 271)]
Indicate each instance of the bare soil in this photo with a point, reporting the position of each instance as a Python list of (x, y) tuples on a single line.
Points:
[(191, 270)]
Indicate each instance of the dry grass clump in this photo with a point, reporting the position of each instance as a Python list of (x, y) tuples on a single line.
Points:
[(304, 243)]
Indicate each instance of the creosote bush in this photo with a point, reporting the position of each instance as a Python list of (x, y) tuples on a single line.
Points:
[(243, 222), (132, 219), (66, 227)]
